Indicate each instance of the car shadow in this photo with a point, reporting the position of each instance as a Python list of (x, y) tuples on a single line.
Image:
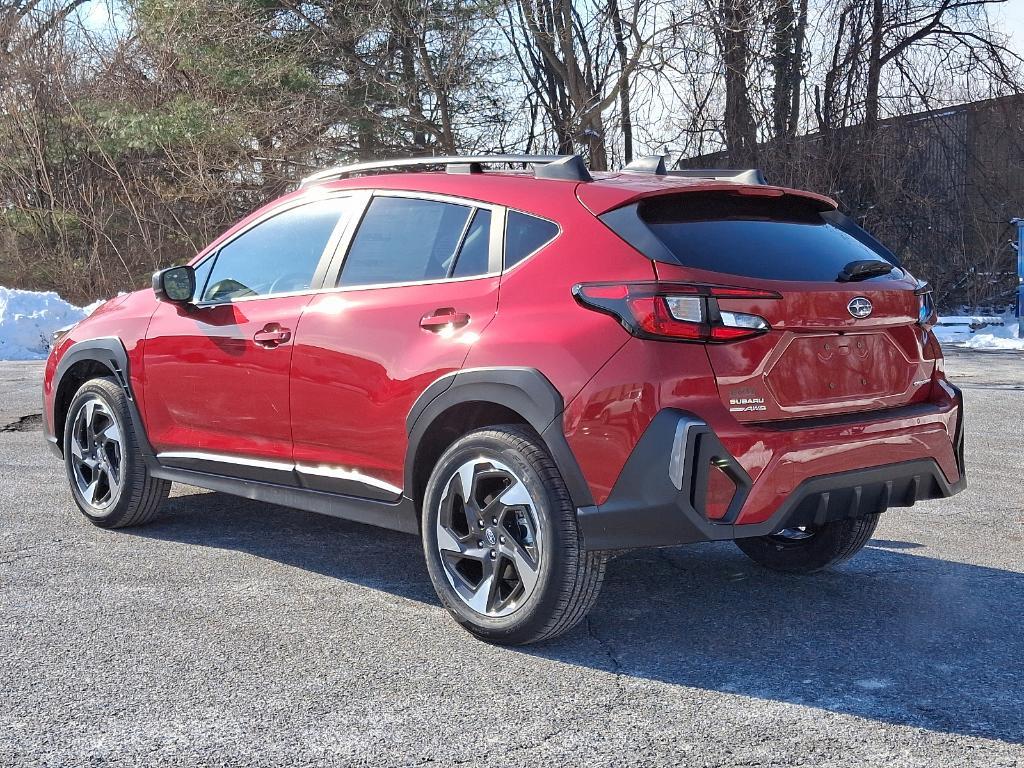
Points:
[(890, 636)]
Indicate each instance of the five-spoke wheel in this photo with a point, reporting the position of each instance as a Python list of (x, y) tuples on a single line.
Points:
[(96, 454), (488, 537), (501, 539), (106, 469)]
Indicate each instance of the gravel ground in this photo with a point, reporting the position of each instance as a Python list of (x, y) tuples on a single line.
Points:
[(233, 632)]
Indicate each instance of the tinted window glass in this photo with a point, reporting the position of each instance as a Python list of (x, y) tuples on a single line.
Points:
[(404, 240), (202, 273), (277, 256), (770, 238), (475, 251), (524, 234)]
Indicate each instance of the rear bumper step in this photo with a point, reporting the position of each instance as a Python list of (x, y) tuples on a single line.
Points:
[(658, 498)]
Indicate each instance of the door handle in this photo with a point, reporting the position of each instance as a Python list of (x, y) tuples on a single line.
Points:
[(272, 335), (445, 317)]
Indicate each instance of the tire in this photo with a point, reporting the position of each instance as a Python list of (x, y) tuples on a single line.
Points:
[(812, 548), (108, 476), (544, 582)]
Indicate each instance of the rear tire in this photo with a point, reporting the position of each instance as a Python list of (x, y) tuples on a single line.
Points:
[(812, 548), (107, 473), (501, 541)]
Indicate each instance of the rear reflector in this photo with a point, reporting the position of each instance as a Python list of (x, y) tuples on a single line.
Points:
[(675, 311)]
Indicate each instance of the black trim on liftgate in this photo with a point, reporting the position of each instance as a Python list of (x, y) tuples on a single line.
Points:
[(656, 500)]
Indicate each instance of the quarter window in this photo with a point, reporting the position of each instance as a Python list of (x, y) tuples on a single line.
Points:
[(525, 234), (403, 240), (279, 255)]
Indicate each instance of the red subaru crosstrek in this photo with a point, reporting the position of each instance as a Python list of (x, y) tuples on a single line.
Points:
[(531, 369)]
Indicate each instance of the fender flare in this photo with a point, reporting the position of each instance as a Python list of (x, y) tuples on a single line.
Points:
[(524, 390), (108, 351)]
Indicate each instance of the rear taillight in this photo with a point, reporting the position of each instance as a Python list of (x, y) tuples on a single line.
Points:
[(676, 311)]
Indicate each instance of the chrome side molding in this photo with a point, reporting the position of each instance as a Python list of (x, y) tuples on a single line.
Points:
[(318, 477)]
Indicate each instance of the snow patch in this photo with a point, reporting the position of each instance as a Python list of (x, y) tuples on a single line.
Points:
[(28, 320), (957, 331)]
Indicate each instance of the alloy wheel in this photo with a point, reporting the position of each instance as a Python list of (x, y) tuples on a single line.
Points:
[(97, 454), (489, 537)]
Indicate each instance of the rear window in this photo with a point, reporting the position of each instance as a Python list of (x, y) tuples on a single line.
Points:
[(774, 238)]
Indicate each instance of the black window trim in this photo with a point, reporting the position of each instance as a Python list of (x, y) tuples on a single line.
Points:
[(496, 246), (319, 275)]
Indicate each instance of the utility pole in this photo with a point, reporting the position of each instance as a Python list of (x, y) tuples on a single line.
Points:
[(1020, 276)]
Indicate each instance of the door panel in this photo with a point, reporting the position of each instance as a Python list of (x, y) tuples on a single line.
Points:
[(366, 351), (218, 370), (212, 388), (361, 359)]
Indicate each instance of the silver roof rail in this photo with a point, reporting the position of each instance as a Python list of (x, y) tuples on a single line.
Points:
[(655, 164), (565, 167)]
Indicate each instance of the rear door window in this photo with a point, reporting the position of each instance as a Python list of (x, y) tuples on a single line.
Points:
[(773, 238), (474, 255), (404, 240)]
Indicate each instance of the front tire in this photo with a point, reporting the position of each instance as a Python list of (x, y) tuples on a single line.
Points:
[(501, 541), (109, 478), (810, 548)]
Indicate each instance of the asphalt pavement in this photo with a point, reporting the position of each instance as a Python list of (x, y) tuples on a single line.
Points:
[(232, 632)]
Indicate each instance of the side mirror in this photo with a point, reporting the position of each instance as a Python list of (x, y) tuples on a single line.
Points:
[(175, 284)]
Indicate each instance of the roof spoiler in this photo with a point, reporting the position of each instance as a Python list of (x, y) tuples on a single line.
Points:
[(655, 164), (562, 167)]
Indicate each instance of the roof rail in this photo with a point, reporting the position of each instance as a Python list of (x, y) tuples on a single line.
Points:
[(655, 164), (565, 167)]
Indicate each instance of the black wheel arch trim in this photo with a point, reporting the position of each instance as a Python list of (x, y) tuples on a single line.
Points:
[(526, 391), (109, 352)]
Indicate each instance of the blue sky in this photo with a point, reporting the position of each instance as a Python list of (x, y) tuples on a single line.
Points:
[(1011, 16)]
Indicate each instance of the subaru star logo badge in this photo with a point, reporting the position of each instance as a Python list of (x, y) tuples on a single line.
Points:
[(859, 307)]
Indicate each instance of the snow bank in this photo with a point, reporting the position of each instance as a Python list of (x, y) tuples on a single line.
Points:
[(956, 331), (28, 320)]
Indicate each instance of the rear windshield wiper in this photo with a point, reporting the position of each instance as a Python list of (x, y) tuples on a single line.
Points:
[(863, 269)]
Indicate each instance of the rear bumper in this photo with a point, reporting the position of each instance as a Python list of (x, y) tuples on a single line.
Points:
[(658, 499)]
